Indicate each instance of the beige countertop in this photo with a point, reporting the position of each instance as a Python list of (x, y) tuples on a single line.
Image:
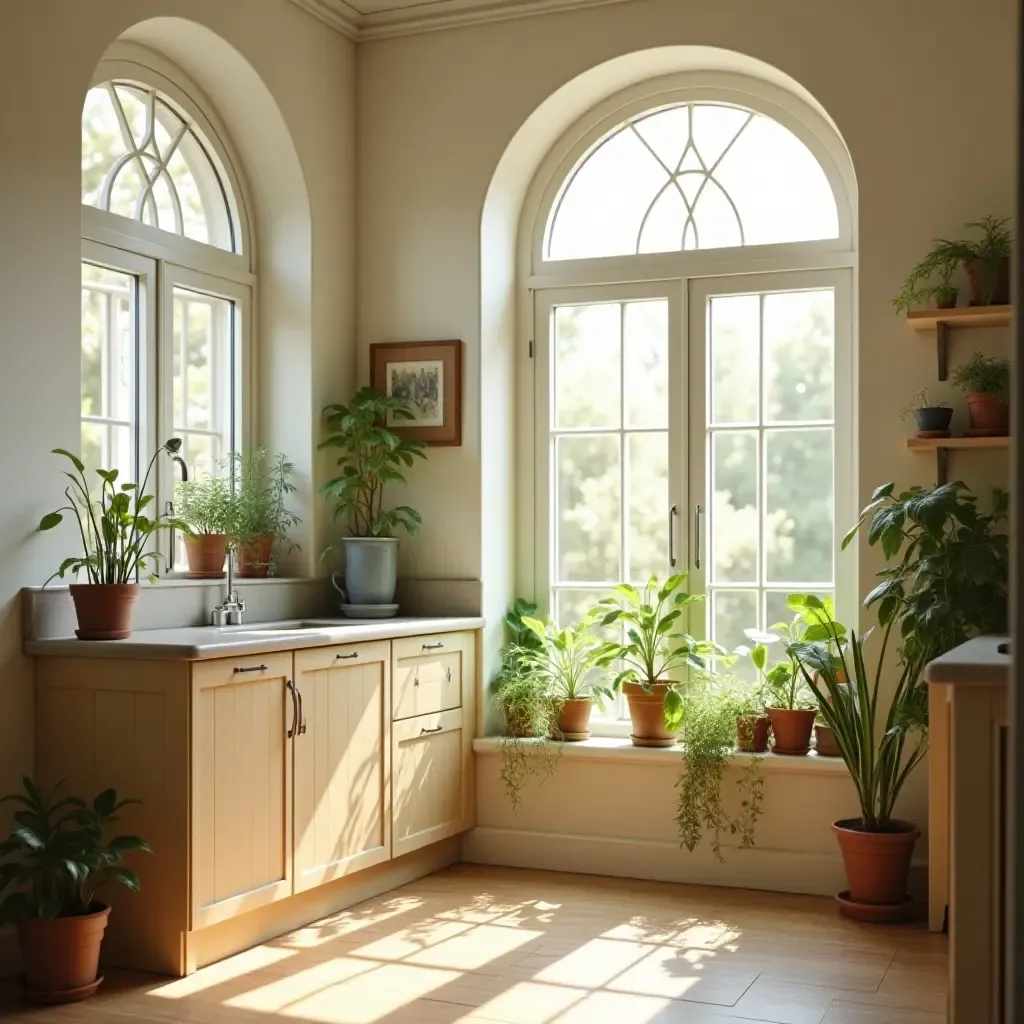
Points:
[(975, 663), (196, 643)]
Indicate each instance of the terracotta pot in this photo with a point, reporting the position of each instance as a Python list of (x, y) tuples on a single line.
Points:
[(647, 713), (825, 741), (877, 863), (1001, 290), (517, 723), (988, 414), (573, 722), (61, 956), (104, 610), (252, 559), (206, 553), (752, 733), (791, 729)]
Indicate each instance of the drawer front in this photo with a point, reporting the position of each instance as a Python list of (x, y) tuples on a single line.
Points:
[(232, 671), (428, 674)]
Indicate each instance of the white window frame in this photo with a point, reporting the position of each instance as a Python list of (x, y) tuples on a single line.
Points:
[(162, 259), (544, 281)]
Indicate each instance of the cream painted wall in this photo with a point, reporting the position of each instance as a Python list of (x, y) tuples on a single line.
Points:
[(923, 94), (48, 51)]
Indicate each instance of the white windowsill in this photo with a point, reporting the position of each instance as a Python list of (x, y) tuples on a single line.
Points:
[(607, 748)]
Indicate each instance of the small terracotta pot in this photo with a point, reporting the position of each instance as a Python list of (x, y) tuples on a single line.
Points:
[(1001, 284), (647, 714), (104, 610), (752, 733), (825, 741), (517, 723), (252, 560), (988, 414), (61, 955), (791, 729), (877, 863), (206, 553), (573, 722)]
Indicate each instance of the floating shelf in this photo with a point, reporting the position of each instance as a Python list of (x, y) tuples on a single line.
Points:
[(941, 320), (942, 446)]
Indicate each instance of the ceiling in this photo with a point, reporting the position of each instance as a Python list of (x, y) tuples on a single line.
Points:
[(374, 19)]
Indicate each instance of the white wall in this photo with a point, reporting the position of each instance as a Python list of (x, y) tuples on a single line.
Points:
[(921, 91), (48, 51)]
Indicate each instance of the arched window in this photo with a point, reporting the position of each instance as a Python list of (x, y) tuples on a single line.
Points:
[(690, 262), (167, 282)]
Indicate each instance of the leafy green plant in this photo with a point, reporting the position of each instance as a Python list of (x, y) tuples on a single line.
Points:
[(206, 505), (711, 707), (523, 697), (114, 529), (565, 660), (654, 648), (370, 456), (923, 399), (982, 375), (989, 254), (946, 580), (847, 692), (261, 487), (58, 855)]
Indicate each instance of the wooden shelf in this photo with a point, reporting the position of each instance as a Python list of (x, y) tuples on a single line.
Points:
[(941, 321), (942, 446)]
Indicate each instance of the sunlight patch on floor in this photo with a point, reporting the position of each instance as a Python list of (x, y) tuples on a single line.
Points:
[(226, 970)]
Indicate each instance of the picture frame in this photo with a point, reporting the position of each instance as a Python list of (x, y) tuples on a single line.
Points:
[(428, 375)]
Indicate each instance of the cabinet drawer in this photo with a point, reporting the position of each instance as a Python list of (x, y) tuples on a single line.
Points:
[(231, 671), (427, 674)]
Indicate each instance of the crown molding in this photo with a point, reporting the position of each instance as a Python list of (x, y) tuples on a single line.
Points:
[(432, 15)]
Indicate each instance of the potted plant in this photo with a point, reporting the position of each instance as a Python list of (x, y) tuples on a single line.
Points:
[(933, 416), (712, 706), (116, 535), (790, 705), (876, 847), (261, 517), (206, 506), (653, 649), (55, 862), (986, 383), (370, 456), (824, 739), (918, 287), (752, 722), (563, 664), (522, 696)]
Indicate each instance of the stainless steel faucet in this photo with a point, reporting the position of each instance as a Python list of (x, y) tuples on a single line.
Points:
[(229, 611)]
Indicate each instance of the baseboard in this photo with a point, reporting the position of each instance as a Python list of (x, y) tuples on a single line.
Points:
[(775, 870)]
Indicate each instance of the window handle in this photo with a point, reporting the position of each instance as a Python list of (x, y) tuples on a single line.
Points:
[(672, 513), (697, 510)]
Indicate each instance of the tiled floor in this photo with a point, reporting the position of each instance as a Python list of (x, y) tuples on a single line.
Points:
[(521, 947)]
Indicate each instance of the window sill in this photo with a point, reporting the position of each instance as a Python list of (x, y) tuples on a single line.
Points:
[(622, 751)]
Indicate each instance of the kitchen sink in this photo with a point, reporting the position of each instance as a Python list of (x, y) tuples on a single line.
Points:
[(287, 626)]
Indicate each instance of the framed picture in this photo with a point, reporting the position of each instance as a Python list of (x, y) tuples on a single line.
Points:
[(428, 376)]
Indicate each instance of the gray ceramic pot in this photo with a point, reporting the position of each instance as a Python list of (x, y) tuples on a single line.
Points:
[(371, 566)]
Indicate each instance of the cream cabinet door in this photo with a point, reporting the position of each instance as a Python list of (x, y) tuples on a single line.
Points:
[(342, 761), (242, 710), (431, 764)]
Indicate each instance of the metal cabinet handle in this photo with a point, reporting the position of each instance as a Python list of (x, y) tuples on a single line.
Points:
[(344, 657), (697, 510), (415, 680), (449, 673), (302, 714), (672, 513), (250, 668), (423, 732), (295, 708), (432, 647)]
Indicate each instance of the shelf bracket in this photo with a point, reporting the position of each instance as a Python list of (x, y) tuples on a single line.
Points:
[(941, 466), (942, 345)]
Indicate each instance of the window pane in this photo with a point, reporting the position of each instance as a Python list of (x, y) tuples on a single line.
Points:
[(799, 518), (734, 507), (571, 606), (588, 508), (733, 611), (646, 358), (108, 369), (735, 329), (647, 499), (799, 345), (587, 374)]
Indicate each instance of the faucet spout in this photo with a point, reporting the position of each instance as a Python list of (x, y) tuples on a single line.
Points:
[(229, 611)]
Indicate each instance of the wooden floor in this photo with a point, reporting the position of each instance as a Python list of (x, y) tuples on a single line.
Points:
[(522, 947)]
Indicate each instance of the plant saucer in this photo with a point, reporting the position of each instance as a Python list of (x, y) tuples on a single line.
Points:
[(369, 611), (874, 913), (70, 995)]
